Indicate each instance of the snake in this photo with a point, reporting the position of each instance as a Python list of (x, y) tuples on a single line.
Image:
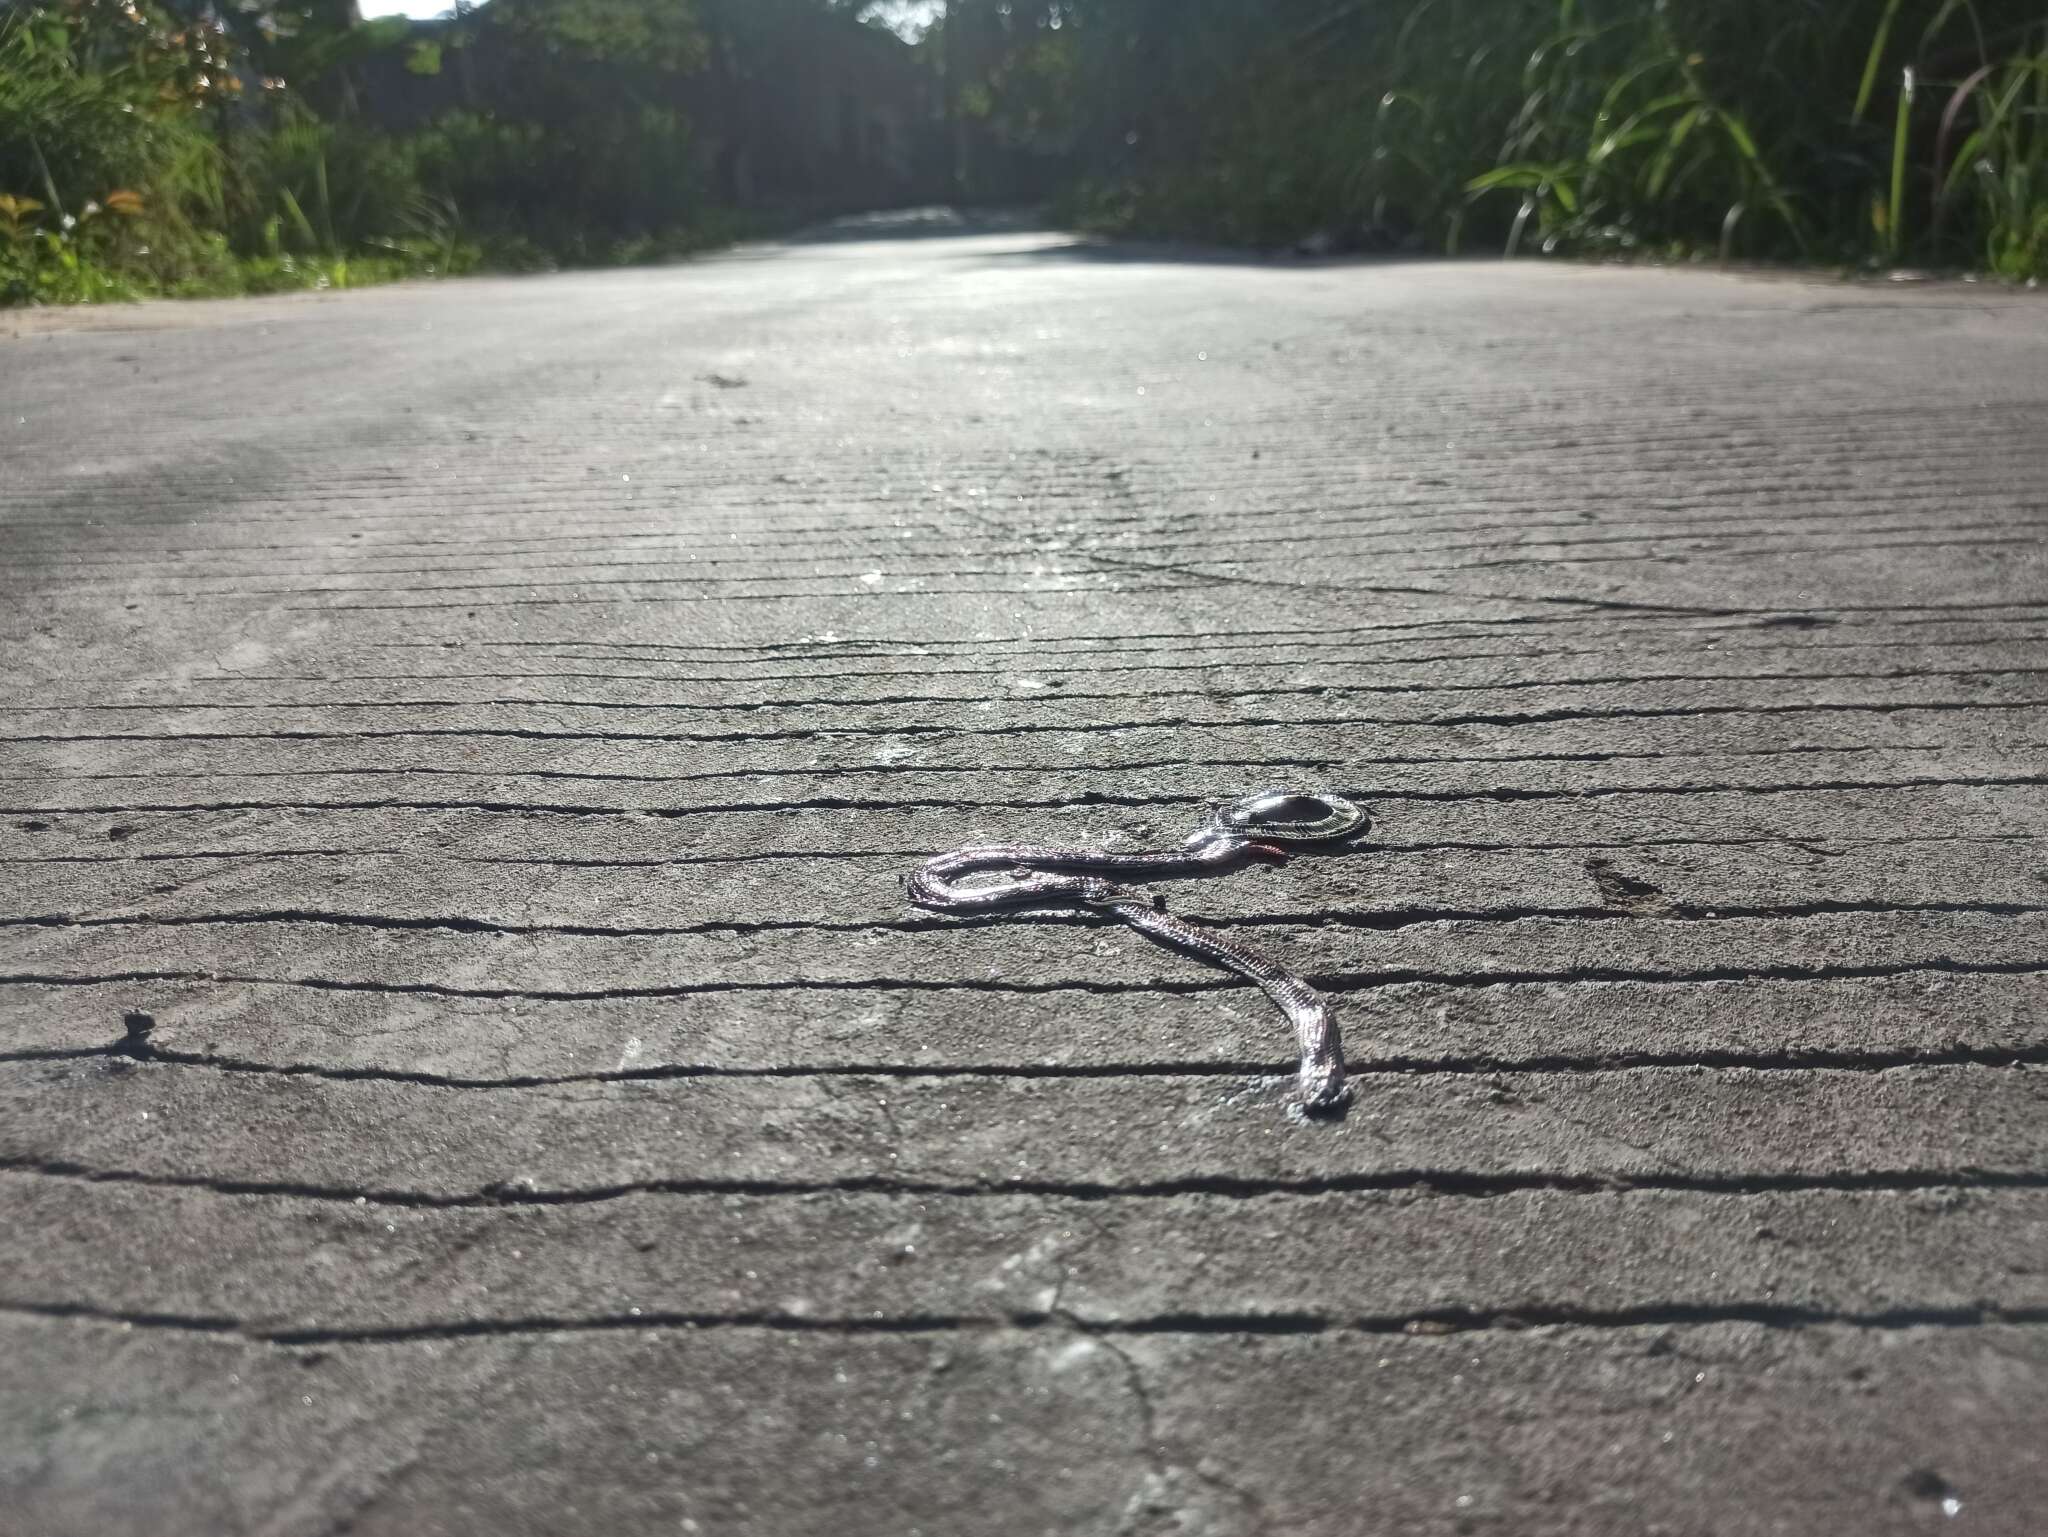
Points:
[(1266, 825)]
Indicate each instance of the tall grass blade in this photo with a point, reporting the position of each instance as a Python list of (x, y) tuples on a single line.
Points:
[(298, 216), (1874, 60), (324, 204), (1956, 102), (1895, 225), (1728, 227), (1521, 220)]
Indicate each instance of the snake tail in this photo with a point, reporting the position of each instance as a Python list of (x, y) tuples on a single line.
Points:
[(1320, 1083)]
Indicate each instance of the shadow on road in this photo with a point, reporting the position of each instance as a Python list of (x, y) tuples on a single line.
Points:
[(923, 224), (1100, 251), (1056, 244)]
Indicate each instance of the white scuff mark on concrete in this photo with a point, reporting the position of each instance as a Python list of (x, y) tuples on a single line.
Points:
[(1071, 1354)]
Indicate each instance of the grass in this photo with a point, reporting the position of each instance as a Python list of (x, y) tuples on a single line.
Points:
[(1861, 133), (2002, 161)]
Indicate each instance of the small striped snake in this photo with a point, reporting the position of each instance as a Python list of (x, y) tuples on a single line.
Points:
[(1260, 826)]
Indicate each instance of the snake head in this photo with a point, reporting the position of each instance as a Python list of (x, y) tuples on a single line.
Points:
[(1292, 816), (1215, 845)]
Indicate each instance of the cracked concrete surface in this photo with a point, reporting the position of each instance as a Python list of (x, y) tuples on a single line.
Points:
[(466, 1066)]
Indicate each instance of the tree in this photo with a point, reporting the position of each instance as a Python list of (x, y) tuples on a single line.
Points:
[(664, 35)]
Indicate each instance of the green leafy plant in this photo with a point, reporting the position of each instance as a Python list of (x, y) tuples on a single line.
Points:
[(64, 258), (1894, 230), (1619, 140), (1796, 129), (2002, 162)]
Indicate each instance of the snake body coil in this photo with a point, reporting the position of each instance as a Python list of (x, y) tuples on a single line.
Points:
[(1261, 826)]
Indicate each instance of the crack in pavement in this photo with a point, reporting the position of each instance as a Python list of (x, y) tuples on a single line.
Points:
[(1334, 982), (1427, 1183), (1387, 920), (1816, 1059), (1426, 1323), (1173, 723)]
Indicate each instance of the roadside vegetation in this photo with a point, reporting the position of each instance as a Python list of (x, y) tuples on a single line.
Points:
[(1851, 132), (149, 147), (231, 146)]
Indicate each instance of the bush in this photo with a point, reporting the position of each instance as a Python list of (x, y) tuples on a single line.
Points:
[(129, 165), (113, 172), (1855, 131), (574, 187)]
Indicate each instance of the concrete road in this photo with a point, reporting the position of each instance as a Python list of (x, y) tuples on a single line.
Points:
[(469, 1068)]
